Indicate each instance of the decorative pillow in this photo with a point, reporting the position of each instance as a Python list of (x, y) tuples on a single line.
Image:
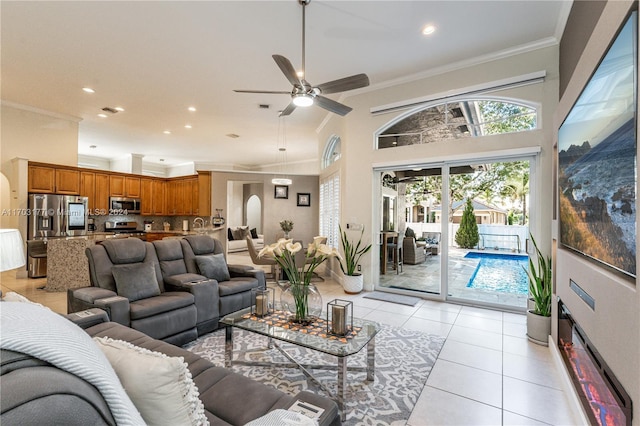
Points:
[(136, 281), (160, 386), (432, 241), (229, 234), (240, 232), (213, 266), (254, 234)]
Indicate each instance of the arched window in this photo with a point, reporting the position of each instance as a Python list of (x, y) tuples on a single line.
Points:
[(332, 151), (460, 119)]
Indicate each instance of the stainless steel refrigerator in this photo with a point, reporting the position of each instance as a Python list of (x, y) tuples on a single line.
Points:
[(52, 216)]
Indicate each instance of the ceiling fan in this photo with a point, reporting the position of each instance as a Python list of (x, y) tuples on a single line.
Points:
[(303, 93)]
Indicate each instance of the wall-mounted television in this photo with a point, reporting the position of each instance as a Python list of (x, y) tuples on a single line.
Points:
[(597, 183)]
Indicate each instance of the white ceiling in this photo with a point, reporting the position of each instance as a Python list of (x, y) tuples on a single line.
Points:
[(157, 58)]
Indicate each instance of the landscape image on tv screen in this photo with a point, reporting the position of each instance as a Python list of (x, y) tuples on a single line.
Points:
[(597, 161)]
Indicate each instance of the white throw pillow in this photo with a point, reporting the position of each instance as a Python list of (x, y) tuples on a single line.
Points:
[(160, 386)]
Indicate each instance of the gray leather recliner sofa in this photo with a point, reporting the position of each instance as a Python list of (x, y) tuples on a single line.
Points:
[(35, 392), (179, 303)]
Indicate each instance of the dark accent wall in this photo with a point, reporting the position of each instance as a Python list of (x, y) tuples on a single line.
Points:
[(582, 19)]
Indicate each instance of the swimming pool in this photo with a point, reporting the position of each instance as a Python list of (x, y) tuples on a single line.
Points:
[(500, 272)]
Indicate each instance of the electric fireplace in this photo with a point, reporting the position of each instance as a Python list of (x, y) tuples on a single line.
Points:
[(604, 399)]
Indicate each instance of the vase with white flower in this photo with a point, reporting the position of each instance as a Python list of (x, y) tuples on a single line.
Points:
[(300, 297), (287, 226)]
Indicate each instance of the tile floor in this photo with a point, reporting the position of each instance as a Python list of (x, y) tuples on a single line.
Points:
[(487, 373)]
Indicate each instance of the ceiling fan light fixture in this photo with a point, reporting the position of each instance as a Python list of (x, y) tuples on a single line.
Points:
[(302, 100)]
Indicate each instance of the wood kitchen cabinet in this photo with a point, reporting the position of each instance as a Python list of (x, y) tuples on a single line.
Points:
[(159, 200), (102, 192), (203, 190), (96, 187), (124, 186), (52, 180), (146, 197)]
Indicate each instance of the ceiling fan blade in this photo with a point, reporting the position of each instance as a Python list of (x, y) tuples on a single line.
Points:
[(287, 69), (288, 110), (268, 92), (331, 105), (348, 83)]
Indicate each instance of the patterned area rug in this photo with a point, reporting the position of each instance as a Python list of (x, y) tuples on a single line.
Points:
[(404, 359)]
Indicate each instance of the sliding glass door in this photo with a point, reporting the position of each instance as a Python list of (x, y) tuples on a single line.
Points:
[(457, 231)]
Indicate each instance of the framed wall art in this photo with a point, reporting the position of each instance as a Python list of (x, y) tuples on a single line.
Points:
[(304, 199), (281, 191)]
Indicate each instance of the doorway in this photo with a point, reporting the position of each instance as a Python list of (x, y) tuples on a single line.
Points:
[(463, 228)]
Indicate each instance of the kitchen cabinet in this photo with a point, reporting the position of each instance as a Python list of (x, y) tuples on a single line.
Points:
[(96, 187), (52, 180), (88, 189), (124, 186), (102, 192), (146, 197), (203, 190), (158, 193)]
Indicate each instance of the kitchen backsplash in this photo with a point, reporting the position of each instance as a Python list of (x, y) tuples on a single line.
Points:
[(157, 225)]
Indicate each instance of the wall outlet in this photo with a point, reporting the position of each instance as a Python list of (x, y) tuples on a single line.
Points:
[(355, 226), (359, 268)]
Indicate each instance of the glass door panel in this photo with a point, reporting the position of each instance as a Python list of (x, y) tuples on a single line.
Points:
[(411, 230), (488, 228)]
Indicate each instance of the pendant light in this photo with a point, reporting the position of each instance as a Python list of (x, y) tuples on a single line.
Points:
[(281, 178)]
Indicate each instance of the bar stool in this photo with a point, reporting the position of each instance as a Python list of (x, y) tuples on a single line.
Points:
[(395, 249)]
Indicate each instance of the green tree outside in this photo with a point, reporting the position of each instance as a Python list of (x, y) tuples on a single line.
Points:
[(467, 235)]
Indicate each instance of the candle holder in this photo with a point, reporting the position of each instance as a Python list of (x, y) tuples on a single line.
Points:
[(262, 301), (339, 317)]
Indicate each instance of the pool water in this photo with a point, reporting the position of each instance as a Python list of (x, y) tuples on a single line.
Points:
[(500, 272)]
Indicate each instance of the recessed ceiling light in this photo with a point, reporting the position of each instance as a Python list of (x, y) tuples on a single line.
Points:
[(428, 29), (192, 109), (88, 90), (93, 146), (188, 126), (167, 132), (102, 115), (119, 109)]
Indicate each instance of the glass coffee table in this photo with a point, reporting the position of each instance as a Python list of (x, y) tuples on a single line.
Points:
[(340, 348)]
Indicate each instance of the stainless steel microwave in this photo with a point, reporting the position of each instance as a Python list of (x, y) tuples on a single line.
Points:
[(124, 205)]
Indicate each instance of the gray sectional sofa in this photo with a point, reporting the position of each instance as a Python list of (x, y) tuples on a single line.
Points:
[(35, 392), (172, 290)]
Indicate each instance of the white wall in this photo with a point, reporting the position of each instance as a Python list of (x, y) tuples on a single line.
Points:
[(357, 130)]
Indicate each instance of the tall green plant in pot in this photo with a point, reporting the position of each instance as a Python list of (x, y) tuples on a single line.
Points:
[(352, 281), (541, 291)]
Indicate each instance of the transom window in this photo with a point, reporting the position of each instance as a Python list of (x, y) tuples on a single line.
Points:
[(460, 119), (332, 151)]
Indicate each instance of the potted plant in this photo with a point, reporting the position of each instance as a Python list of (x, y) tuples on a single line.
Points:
[(287, 226), (300, 298), (540, 291), (352, 282)]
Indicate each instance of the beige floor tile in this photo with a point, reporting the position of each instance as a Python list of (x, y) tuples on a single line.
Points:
[(480, 312), (526, 399), (476, 337), (472, 356), (479, 322), (437, 407), (428, 326), (531, 370), (513, 419), (431, 313), (395, 320), (478, 385), (523, 347)]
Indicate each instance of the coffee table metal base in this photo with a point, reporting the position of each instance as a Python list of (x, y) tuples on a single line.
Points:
[(341, 367)]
